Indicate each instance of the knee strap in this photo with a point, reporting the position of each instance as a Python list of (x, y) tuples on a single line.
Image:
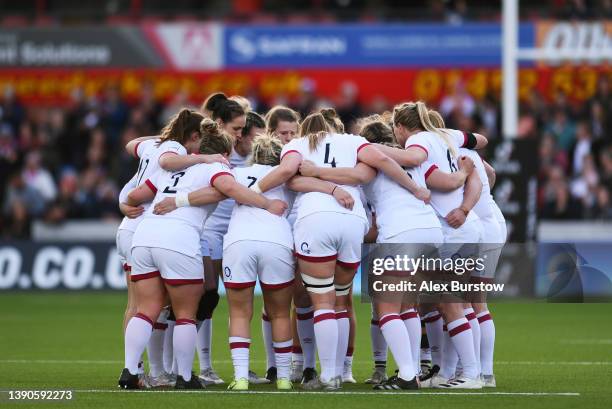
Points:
[(318, 285), (343, 289), (207, 305)]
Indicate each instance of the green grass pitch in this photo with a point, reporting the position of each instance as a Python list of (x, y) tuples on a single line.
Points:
[(547, 356)]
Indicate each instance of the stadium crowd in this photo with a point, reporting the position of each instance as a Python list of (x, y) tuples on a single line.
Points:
[(67, 163)]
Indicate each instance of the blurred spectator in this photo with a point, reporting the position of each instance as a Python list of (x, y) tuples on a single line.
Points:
[(558, 203), (562, 130), (38, 178)]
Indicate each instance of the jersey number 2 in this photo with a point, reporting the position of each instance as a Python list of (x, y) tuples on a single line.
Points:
[(176, 178)]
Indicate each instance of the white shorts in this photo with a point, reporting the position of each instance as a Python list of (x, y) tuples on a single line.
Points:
[(327, 236), (432, 235), (462, 241), (244, 261), (491, 246), (215, 243), (124, 248), (173, 267)]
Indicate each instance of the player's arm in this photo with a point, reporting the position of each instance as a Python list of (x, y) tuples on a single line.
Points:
[(370, 155), (142, 194), (227, 185), (171, 161), (289, 166), (132, 146), (490, 173), (306, 184), (125, 209), (359, 175), (471, 194), (200, 197), (447, 182), (409, 157)]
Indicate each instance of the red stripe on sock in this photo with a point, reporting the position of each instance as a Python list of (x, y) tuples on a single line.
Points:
[(471, 316), (305, 316), (484, 318), (297, 349), (459, 329), (349, 351), (283, 350), (184, 321), (433, 318), (324, 316), (342, 314), (160, 326), (144, 317), (388, 318), (234, 345), (409, 315)]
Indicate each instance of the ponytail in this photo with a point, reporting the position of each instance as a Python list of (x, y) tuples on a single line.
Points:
[(436, 119), (332, 119), (415, 116), (219, 106), (314, 127), (214, 140), (266, 150), (181, 126)]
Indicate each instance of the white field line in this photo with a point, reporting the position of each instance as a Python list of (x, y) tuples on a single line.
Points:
[(226, 361), (586, 341), (226, 392)]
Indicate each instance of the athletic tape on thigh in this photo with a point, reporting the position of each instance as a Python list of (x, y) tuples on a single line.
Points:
[(318, 285), (343, 289)]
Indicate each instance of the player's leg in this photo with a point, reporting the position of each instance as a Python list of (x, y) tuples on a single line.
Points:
[(347, 373), (297, 355), (412, 322), (266, 332), (343, 281), (379, 351), (240, 300), (305, 330), (150, 293)]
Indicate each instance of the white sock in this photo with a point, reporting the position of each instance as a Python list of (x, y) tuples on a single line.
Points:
[(413, 326), (395, 334), (306, 333), (326, 334), (348, 363), (184, 345), (475, 326), (379, 345), (449, 356), (167, 350), (342, 320), (155, 348), (297, 357), (266, 330), (282, 359), (137, 334), (240, 356), (460, 334), (204, 343), (487, 342), (433, 327)]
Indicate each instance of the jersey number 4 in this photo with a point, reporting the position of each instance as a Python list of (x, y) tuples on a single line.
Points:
[(333, 161), (176, 178)]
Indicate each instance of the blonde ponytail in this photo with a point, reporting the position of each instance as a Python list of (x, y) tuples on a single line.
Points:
[(414, 116), (315, 128)]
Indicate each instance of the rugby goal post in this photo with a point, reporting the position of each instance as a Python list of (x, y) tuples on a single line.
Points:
[(585, 43)]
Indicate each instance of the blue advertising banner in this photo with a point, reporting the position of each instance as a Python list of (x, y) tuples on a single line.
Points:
[(403, 45)]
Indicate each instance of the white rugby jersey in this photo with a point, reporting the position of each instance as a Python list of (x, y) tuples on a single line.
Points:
[(180, 229), (253, 223), (148, 151), (397, 210), (219, 220), (334, 150), (440, 157), (484, 206)]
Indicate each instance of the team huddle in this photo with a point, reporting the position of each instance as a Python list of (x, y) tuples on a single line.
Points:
[(226, 194)]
